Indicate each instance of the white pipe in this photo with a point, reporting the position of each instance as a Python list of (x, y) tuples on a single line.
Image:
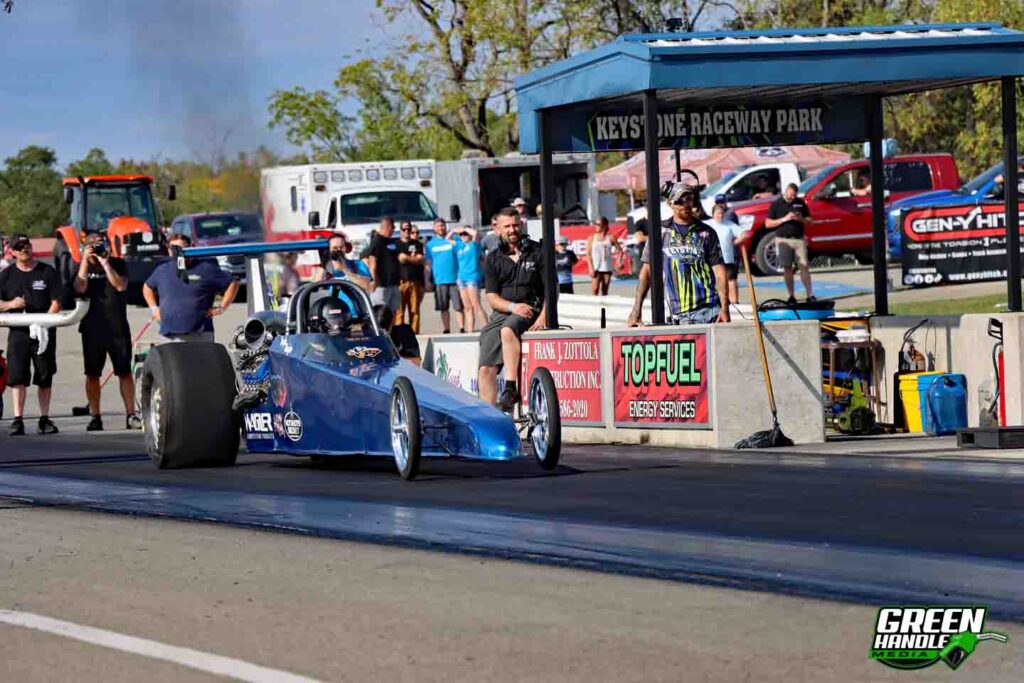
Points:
[(62, 319)]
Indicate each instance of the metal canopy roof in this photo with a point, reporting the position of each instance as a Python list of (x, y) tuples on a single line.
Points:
[(750, 67)]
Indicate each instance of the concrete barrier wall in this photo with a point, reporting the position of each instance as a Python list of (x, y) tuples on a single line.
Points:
[(974, 359), (737, 397)]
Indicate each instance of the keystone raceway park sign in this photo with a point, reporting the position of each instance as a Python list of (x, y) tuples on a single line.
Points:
[(575, 365), (703, 128), (661, 380), (955, 244)]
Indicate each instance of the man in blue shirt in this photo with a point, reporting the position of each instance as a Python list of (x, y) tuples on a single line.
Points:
[(443, 269), (185, 309)]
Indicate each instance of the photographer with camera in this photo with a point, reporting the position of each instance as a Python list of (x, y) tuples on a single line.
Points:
[(185, 307), (103, 280), (29, 286)]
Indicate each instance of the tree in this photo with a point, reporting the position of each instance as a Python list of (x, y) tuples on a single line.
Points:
[(30, 193), (312, 119), (95, 162)]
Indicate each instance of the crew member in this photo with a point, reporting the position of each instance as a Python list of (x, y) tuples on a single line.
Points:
[(410, 275), (513, 274), (694, 273), (105, 331), (787, 216), (185, 310), (443, 269), (565, 259), (382, 257), (340, 267), (29, 286)]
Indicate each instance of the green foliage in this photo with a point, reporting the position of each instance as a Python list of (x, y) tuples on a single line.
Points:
[(30, 193), (94, 163), (311, 120)]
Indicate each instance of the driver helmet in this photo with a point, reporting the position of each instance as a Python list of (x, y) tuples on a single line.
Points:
[(337, 316)]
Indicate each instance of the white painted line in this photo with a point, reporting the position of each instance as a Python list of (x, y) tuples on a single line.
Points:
[(194, 659)]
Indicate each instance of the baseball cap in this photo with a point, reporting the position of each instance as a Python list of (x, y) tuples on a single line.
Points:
[(680, 189), (720, 199), (518, 201), (562, 239), (19, 241)]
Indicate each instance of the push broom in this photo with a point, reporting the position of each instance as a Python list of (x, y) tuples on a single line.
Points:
[(770, 438)]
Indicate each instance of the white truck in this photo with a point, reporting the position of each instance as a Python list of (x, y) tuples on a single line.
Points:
[(300, 200), (737, 186)]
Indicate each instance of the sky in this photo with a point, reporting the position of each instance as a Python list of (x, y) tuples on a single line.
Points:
[(165, 79)]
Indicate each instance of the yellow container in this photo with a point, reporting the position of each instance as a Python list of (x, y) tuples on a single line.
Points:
[(912, 398)]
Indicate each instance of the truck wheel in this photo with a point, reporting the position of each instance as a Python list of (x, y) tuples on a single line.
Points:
[(187, 417), (546, 433), (65, 267), (406, 433), (766, 255)]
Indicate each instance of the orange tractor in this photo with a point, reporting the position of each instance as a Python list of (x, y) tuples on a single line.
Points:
[(122, 207)]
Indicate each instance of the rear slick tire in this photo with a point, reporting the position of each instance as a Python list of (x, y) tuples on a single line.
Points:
[(406, 433), (187, 416)]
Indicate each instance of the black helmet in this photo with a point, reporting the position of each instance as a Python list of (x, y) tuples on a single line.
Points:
[(334, 313)]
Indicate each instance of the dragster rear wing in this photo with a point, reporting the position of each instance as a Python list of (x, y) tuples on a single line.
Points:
[(259, 295)]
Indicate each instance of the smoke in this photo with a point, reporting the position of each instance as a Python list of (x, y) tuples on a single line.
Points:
[(191, 60)]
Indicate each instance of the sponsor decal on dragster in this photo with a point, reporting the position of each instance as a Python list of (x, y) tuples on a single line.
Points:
[(293, 425), (575, 365), (916, 637), (661, 380), (259, 426), (363, 352), (953, 244)]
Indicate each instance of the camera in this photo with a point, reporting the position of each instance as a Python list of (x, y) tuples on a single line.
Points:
[(101, 249)]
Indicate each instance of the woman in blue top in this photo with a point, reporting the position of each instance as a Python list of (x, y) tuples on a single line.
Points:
[(467, 250)]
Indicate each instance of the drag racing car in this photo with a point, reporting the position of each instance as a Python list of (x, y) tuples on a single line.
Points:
[(321, 379)]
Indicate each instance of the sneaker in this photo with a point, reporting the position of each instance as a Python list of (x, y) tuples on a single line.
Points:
[(509, 399), (17, 427), (133, 421), (95, 424), (46, 426), (811, 299), (791, 301)]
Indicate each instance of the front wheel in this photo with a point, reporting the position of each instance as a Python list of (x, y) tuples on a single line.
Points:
[(406, 434), (766, 255), (546, 429)]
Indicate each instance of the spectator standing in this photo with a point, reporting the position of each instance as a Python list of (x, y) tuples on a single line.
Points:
[(693, 271), (185, 309), (565, 259), (443, 269), (637, 251), (519, 204), (598, 255), (381, 256), (29, 286), (491, 240), (730, 213), (467, 250), (340, 267), (728, 232), (103, 279), (410, 276), (787, 216)]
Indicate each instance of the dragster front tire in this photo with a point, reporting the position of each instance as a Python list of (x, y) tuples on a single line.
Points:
[(546, 435), (187, 416), (406, 432)]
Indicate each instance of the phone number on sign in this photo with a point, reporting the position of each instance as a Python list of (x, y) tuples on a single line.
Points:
[(665, 410), (574, 409)]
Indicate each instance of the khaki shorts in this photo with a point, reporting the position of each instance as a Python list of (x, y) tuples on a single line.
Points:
[(790, 249)]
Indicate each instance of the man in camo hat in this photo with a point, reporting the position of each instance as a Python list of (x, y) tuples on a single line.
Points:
[(693, 270)]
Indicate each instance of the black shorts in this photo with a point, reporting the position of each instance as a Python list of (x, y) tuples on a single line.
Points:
[(447, 295), (96, 346), (490, 336), (731, 271), (26, 364), (565, 287)]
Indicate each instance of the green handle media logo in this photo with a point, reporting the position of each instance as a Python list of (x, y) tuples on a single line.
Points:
[(917, 637)]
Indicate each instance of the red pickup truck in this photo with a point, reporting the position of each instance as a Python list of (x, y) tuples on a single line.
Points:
[(841, 219)]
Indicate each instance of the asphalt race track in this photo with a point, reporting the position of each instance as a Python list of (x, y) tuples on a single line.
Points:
[(867, 529)]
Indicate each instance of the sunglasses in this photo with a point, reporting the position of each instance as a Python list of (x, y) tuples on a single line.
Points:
[(686, 200), (21, 246)]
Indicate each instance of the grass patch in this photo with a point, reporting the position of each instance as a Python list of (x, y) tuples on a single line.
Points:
[(994, 303)]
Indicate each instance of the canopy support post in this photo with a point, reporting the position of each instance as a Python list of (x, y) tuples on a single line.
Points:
[(1011, 178), (679, 165), (878, 237), (654, 205), (547, 202)]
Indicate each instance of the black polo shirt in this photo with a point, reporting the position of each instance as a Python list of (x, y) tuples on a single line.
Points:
[(522, 281)]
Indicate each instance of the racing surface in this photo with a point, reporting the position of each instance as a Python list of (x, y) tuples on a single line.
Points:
[(861, 528)]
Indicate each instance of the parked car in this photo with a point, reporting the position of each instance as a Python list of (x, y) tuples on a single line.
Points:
[(214, 229), (977, 190), (842, 220)]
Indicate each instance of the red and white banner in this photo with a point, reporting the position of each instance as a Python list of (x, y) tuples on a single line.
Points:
[(575, 365)]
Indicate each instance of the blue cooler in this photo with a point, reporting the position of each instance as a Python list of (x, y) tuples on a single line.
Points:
[(777, 309), (945, 404)]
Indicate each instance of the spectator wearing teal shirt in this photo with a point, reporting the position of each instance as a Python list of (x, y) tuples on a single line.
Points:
[(340, 267), (467, 250), (443, 273)]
